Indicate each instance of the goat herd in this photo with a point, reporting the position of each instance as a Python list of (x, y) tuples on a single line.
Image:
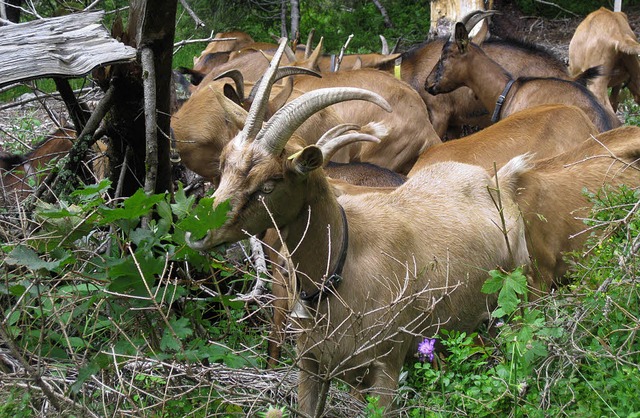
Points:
[(393, 238)]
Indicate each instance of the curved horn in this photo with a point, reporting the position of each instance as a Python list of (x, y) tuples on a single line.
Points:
[(335, 132), (385, 45), (475, 17), (332, 146), (307, 48), (277, 132), (258, 108), (282, 73), (237, 78)]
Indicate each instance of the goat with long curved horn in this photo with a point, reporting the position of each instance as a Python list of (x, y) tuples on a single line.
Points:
[(258, 108), (281, 126)]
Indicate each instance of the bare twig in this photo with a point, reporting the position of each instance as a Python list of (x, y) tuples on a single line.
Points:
[(196, 19)]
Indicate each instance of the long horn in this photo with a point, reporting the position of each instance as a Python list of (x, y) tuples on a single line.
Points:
[(307, 49), (258, 108), (332, 146), (282, 73), (277, 132), (335, 132), (237, 78), (475, 17), (385, 45)]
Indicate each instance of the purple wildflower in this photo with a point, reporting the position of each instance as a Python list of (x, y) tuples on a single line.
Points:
[(426, 349)]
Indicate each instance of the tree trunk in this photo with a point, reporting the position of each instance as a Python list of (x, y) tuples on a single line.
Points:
[(283, 19), (445, 13), (151, 26), (295, 20), (10, 10), (387, 21)]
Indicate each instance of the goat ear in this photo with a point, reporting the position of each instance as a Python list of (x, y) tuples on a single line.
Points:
[(461, 37), (307, 160), (231, 94)]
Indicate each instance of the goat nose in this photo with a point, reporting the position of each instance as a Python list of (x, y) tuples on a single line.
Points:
[(431, 89)]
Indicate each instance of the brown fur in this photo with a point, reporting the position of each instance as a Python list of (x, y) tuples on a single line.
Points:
[(550, 196), (449, 111), (604, 38), (208, 120), (545, 130), (465, 64), (20, 174), (409, 130)]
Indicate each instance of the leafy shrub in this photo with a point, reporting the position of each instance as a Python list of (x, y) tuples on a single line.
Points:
[(94, 287)]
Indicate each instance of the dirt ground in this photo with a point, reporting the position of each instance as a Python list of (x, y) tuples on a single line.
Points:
[(552, 34)]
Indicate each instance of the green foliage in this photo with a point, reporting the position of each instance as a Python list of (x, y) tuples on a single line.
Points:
[(16, 403), (333, 20), (373, 410), (77, 294)]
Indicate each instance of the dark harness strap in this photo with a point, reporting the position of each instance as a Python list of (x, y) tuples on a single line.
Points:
[(500, 101), (335, 278)]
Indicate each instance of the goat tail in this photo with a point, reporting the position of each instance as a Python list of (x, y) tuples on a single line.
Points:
[(628, 45), (589, 74), (509, 174), (378, 129)]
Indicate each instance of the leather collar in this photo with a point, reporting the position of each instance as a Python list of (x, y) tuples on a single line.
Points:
[(332, 280), (500, 101)]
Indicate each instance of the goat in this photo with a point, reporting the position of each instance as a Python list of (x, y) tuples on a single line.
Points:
[(465, 64), (432, 238), (350, 178), (605, 38), (233, 41), (447, 112), (20, 174), (409, 131), (545, 130), (551, 197)]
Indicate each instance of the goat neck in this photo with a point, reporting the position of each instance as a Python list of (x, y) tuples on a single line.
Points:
[(486, 77)]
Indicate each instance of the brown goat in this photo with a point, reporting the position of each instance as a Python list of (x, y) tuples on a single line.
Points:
[(391, 268), (20, 174), (545, 130), (409, 131), (604, 38), (465, 64), (448, 112), (551, 197)]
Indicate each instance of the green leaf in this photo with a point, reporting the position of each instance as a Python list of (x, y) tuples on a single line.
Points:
[(204, 218), (183, 204), (26, 257), (132, 208), (84, 374), (494, 283), (181, 327)]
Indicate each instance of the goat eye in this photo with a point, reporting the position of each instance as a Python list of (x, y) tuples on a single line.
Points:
[(268, 186)]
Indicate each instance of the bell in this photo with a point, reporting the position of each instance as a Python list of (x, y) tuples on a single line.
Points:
[(300, 310)]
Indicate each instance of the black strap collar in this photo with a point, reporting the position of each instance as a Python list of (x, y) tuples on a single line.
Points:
[(335, 278), (500, 101)]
